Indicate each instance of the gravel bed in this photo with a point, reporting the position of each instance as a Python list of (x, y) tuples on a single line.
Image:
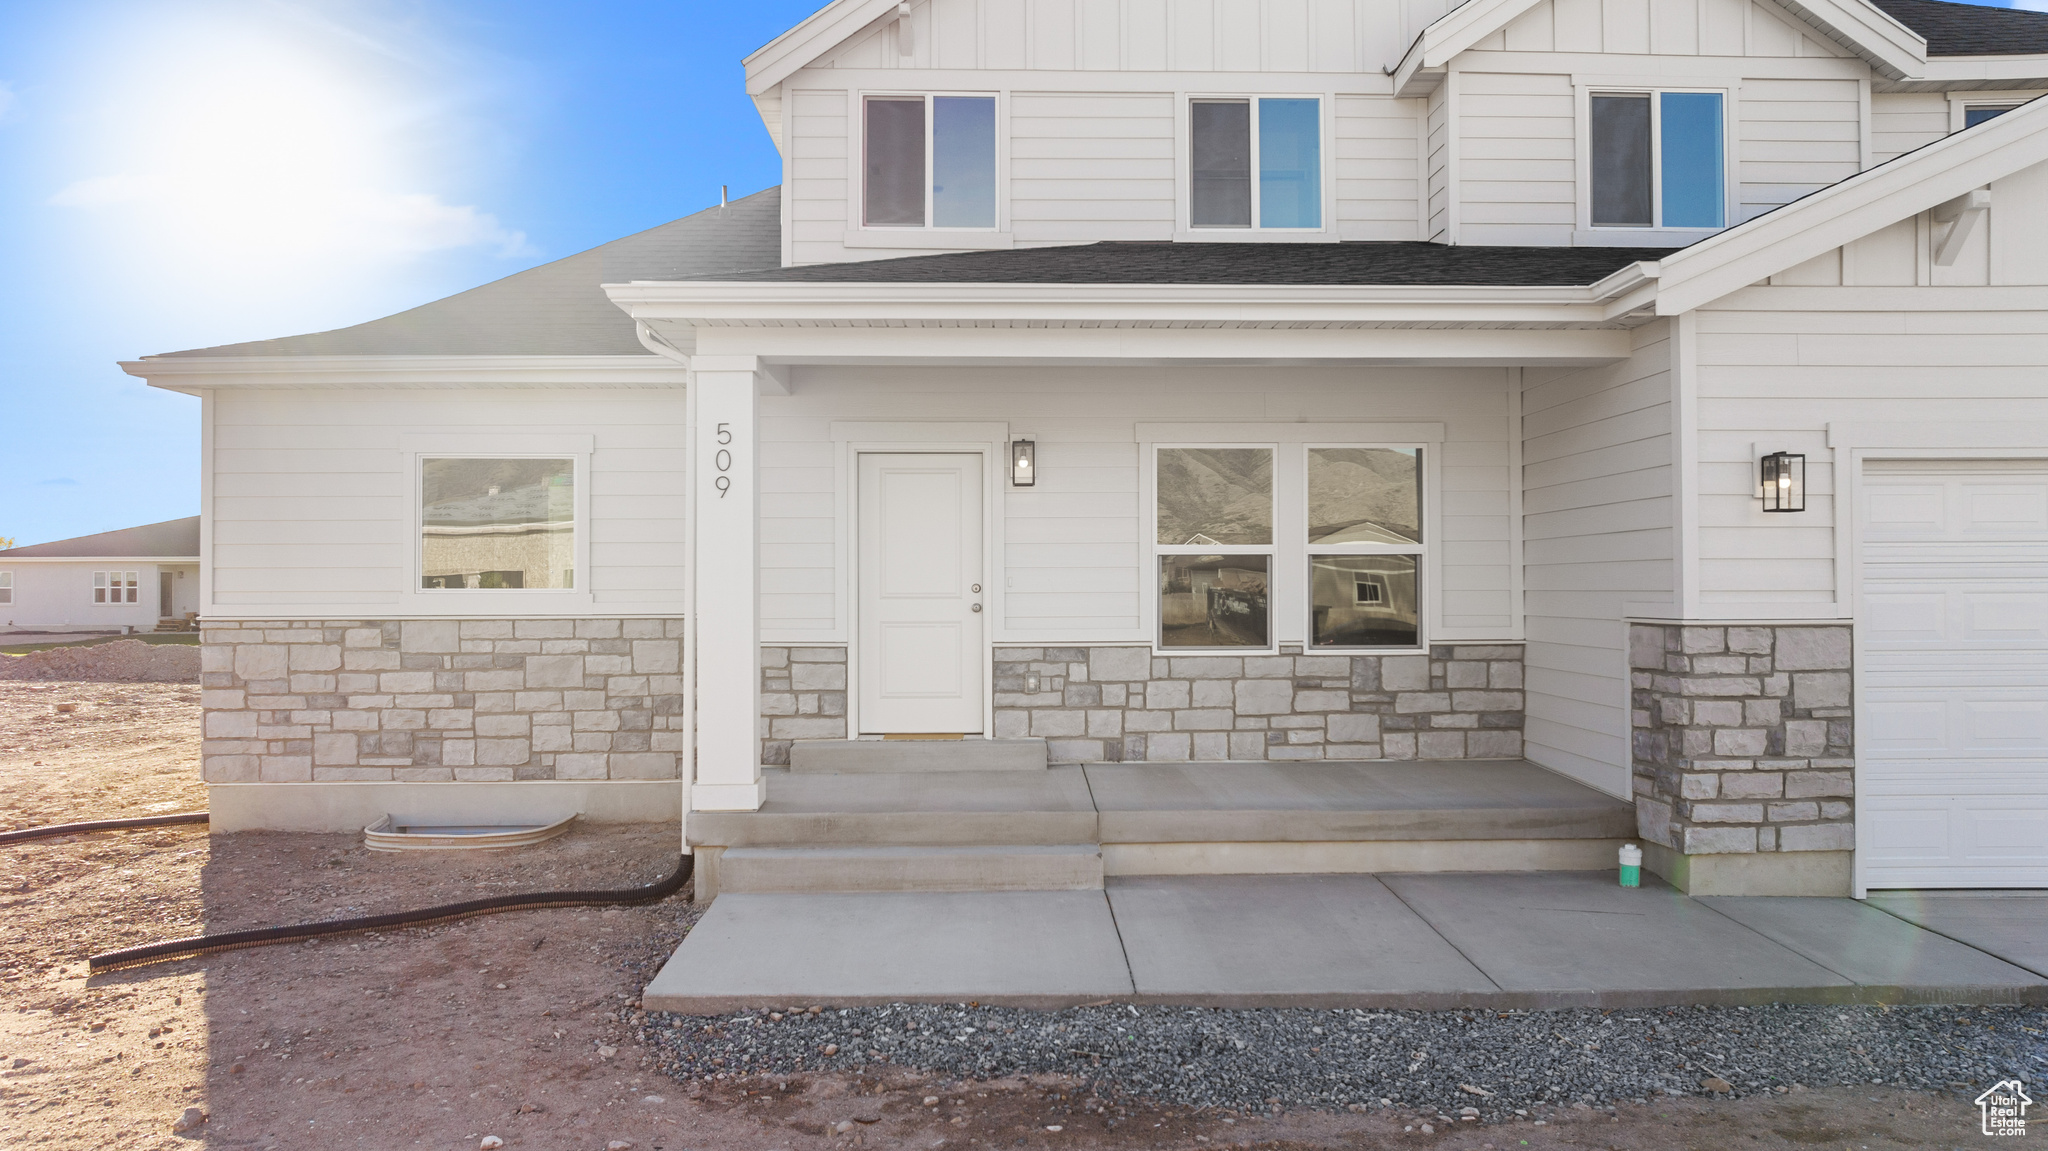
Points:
[(1452, 1061)]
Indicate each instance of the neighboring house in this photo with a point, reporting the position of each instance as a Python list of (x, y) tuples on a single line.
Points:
[(1294, 380), (135, 579)]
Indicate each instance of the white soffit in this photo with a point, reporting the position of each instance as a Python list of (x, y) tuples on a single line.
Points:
[(197, 374)]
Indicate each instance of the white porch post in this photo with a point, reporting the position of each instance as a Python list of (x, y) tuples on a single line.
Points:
[(724, 607)]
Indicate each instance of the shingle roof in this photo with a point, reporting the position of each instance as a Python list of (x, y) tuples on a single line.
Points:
[(1971, 29), (1124, 262), (169, 539), (557, 308)]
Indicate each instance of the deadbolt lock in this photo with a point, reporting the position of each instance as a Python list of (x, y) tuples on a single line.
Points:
[(976, 589)]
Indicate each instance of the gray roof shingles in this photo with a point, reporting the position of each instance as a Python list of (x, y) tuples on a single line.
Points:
[(1971, 29), (171, 539), (558, 308)]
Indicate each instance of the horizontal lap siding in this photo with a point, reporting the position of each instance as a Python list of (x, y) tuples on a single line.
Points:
[(1903, 121), (1091, 166), (1516, 183), (1376, 168), (1798, 136), (312, 497), (1598, 524), (822, 174), (1075, 562), (1438, 140)]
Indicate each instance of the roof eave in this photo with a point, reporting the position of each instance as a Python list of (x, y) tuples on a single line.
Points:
[(195, 375), (818, 33)]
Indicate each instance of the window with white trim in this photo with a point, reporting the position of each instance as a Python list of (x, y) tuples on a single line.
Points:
[(1255, 162), (497, 523), (6, 587), (929, 161), (1216, 550), (1657, 159), (114, 587)]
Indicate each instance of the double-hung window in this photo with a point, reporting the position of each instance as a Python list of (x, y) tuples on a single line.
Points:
[(114, 587), (6, 587), (1658, 159), (929, 162), (1255, 162), (1354, 540), (495, 524)]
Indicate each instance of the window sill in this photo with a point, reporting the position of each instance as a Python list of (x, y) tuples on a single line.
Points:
[(1640, 237), (1256, 236), (971, 239)]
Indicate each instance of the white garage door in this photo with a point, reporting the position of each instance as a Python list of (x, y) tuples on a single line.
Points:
[(1954, 618)]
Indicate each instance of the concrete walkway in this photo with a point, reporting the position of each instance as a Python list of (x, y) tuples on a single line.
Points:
[(1528, 940)]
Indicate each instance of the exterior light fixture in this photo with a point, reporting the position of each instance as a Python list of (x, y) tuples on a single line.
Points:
[(1783, 480), (1023, 463)]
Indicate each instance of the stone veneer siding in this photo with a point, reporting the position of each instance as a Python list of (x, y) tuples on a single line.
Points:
[(423, 700), (803, 696), (1124, 704), (1744, 740)]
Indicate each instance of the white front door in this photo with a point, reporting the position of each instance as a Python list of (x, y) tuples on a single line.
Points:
[(1954, 614), (921, 658)]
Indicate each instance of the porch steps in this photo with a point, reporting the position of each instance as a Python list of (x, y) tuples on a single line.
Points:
[(896, 756), (1022, 867)]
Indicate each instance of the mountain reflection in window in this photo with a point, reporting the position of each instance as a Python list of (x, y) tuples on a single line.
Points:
[(495, 524), (1220, 497), (1212, 601), (1364, 495)]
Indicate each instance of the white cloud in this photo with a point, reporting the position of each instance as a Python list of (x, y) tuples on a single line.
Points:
[(422, 223), (122, 188)]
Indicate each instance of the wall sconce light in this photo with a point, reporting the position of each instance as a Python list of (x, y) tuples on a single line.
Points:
[(1023, 463), (1783, 480)]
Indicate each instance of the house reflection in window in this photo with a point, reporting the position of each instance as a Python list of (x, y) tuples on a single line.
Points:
[(1212, 601), (491, 524)]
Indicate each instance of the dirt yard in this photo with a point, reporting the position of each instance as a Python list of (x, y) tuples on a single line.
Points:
[(518, 1026)]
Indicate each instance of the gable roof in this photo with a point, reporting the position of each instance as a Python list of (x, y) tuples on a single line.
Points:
[(557, 308), (1163, 262), (171, 539), (1971, 29)]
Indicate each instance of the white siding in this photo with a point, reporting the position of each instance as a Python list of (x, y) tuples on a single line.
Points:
[(1438, 140), (59, 595), (1378, 181), (821, 174), (1903, 121), (1598, 514), (1797, 136), (1074, 562), (1091, 166), (1659, 28), (1515, 169), (313, 499)]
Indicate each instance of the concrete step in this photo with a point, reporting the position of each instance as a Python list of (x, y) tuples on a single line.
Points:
[(908, 809), (1068, 867), (846, 756)]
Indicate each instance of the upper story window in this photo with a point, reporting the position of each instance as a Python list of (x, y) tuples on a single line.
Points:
[(1255, 160), (497, 523), (1975, 114), (1658, 160), (930, 162)]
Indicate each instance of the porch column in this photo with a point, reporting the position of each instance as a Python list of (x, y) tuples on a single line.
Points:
[(725, 600)]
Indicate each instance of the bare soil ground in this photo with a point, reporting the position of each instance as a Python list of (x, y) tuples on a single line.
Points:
[(519, 1025)]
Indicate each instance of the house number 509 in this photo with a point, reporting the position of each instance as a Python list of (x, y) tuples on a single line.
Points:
[(722, 460)]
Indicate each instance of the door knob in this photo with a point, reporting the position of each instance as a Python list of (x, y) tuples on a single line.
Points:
[(977, 607)]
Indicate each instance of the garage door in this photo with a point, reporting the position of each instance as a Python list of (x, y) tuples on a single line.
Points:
[(1954, 616)]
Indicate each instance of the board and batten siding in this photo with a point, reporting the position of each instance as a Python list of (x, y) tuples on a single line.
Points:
[(1599, 516), (1075, 560), (1727, 28), (313, 498), (1778, 363)]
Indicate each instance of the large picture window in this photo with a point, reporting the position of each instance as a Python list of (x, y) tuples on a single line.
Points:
[(492, 524), (1657, 160), (1356, 537), (115, 587), (1255, 159), (930, 162)]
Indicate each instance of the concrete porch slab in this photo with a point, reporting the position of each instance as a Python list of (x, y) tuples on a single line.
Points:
[(1325, 802), (906, 755), (1039, 949), (1881, 952), (2013, 926), (908, 809), (1285, 941), (1579, 939)]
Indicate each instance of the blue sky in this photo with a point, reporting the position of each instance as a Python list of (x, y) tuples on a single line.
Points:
[(179, 173)]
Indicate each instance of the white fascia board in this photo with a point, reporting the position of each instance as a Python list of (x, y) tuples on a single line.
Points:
[(1421, 67), (1892, 49), (820, 32), (707, 304), (195, 374), (87, 561), (1841, 213), (1945, 72), (1054, 347)]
